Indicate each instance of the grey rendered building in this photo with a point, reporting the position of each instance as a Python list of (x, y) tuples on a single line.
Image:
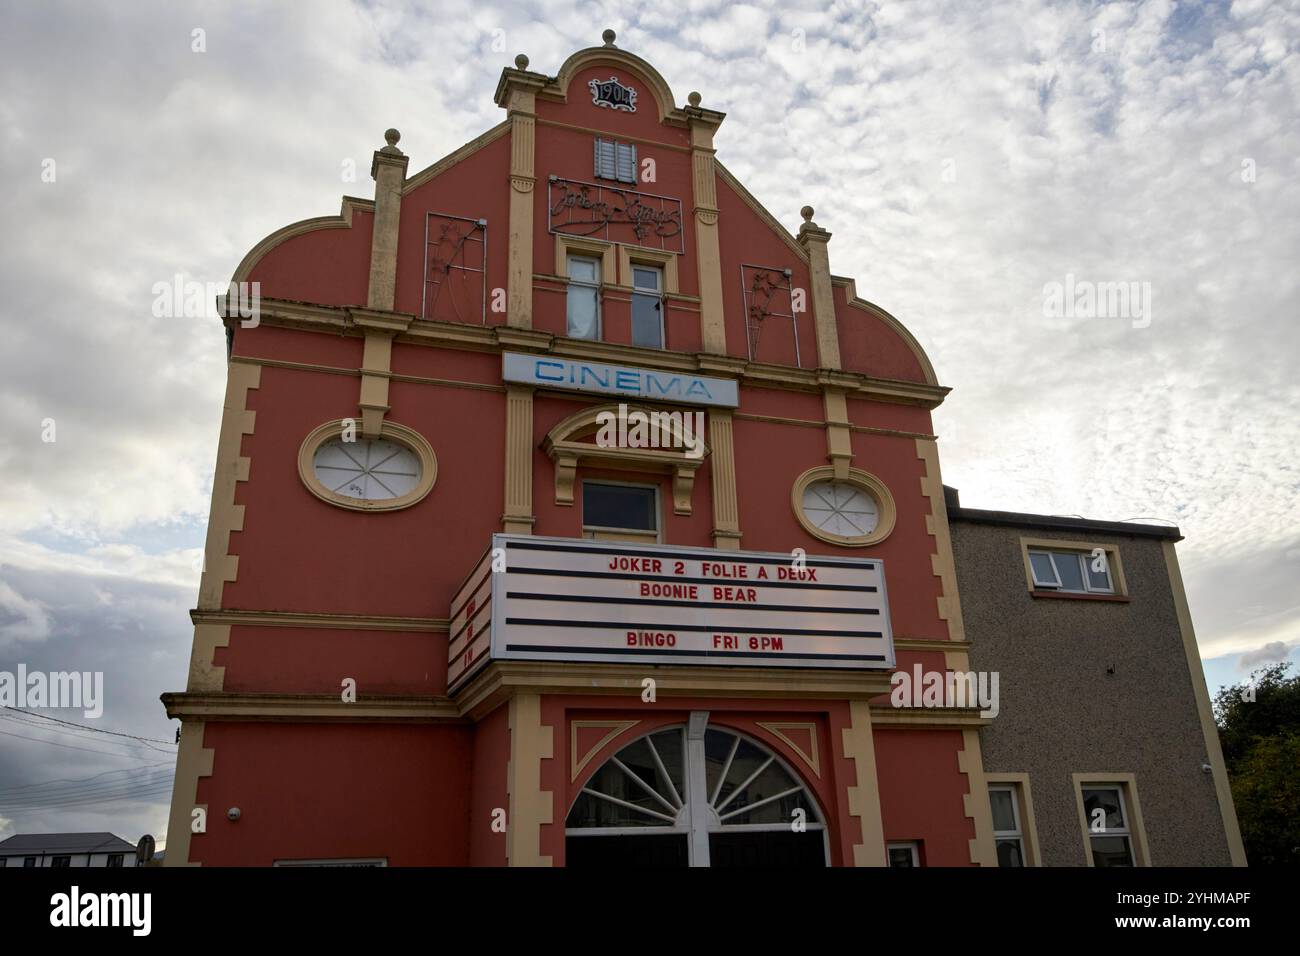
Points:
[(1104, 750)]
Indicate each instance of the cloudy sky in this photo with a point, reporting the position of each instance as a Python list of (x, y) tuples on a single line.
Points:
[(975, 156)]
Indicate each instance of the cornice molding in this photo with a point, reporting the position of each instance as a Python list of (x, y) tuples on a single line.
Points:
[(345, 320)]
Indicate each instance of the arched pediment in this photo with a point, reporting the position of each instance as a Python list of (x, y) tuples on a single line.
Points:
[(617, 58), (629, 438)]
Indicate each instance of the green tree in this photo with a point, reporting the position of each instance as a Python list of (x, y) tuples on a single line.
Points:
[(1259, 729)]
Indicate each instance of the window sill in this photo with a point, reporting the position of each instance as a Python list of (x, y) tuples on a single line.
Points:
[(1076, 596)]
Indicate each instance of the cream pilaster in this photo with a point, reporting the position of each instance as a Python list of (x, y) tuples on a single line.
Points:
[(517, 92), (722, 458), (704, 187), (388, 169), (518, 515), (813, 238), (530, 806)]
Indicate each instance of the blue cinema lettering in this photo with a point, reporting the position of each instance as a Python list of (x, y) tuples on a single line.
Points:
[(697, 388), (537, 371), (674, 384), (632, 383), (588, 370)]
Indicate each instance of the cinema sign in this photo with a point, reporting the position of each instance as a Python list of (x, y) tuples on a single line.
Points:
[(627, 381), (565, 599)]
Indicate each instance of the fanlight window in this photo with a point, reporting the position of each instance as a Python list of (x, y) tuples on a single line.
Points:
[(723, 800), (367, 469)]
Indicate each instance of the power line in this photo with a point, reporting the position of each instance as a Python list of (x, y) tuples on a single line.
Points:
[(80, 734), (52, 743), (136, 791), (96, 730), (102, 788), (77, 780)]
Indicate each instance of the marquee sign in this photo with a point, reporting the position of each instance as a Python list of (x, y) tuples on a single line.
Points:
[(612, 94), (565, 599), (627, 381)]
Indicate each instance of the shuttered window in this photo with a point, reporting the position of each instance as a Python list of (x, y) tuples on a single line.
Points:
[(615, 161)]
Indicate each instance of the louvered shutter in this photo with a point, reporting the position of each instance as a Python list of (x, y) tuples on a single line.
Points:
[(606, 161), (626, 162)]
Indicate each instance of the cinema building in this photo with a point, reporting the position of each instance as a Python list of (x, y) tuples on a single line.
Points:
[(570, 511)]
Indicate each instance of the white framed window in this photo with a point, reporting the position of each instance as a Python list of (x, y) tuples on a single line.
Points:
[(1110, 834), (905, 855), (584, 297), (621, 511), (615, 161), (647, 306), (1077, 572), (1008, 830), (695, 796)]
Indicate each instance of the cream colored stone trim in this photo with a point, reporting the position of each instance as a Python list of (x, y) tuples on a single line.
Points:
[(376, 366), (193, 761), (1209, 730), (1028, 826), (578, 761), (667, 261), (975, 801), (708, 255), (342, 221), (219, 565), (529, 805), (815, 239), (500, 680), (839, 447), (771, 221), (563, 446), (388, 169), (205, 676), (435, 169), (312, 708), (864, 798), (316, 619), (622, 136), (558, 88), (726, 511), (778, 730), (461, 335), (389, 431), (868, 482), (590, 248), (1057, 544), (519, 269), (936, 524), (518, 515), (851, 296), (933, 718), (1137, 830)]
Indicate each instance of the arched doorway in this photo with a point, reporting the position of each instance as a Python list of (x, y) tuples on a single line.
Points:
[(695, 796)]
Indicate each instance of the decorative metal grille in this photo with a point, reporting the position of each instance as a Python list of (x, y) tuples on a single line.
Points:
[(616, 215), (767, 295), (455, 269)]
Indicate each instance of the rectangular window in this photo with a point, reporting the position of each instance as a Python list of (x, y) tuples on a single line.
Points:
[(584, 297), (29, 861), (1008, 831), (1079, 572), (61, 861), (1107, 820), (647, 306), (905, 854), (615, 161), (615, 507), (114, 859)]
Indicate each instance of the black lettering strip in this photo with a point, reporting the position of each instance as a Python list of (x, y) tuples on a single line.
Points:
[(699, 605), (665, 555), (721, 629), (677, 579), (672, 651)]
